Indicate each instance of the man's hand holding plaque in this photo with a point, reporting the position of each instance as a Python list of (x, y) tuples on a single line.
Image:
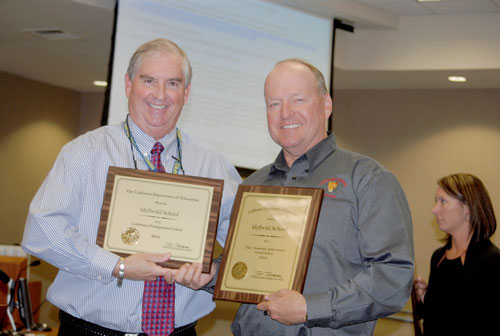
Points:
[(143, 266), (286, 306), (190, 275)]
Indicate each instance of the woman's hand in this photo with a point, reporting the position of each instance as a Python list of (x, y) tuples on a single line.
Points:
[(420, 287)]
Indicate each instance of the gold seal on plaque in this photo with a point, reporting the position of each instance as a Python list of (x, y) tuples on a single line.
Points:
[(239, 270), (130, 236)]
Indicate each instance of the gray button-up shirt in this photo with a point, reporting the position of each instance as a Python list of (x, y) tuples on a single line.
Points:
[(361, 265)]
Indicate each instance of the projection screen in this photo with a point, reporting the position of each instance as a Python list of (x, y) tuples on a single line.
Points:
[(232, 45)]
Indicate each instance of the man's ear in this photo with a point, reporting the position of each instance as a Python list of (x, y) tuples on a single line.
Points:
[(328, 106), (128, 84), (186, 93)]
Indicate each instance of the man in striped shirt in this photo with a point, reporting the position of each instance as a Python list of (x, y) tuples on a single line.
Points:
[(64, 216)]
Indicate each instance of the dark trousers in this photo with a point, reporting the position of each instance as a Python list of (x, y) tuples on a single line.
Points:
[(73, 326)]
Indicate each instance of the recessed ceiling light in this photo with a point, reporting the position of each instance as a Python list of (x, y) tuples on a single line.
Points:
[(458, 79), (51, 33), (100, 83)]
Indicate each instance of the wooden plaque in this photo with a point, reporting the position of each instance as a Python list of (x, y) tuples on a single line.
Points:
[(269, 242), (151, 212)]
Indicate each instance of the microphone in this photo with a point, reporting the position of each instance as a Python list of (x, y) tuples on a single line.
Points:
[(35, 263)]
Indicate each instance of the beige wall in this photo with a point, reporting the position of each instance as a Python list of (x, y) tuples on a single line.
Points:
[(419, 135), (36, 120), (91, 105)]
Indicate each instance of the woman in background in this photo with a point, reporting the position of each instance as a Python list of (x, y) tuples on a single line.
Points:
[(463, 295)]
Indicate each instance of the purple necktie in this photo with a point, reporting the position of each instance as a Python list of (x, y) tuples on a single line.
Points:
[(158, 302)]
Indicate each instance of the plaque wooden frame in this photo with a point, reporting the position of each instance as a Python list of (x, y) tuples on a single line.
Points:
[(216, 184), (304, 249)]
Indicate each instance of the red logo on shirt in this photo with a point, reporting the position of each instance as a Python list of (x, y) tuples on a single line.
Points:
[(332, 185)]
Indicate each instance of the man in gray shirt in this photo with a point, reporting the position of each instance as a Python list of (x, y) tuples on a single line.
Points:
[(361, 265)]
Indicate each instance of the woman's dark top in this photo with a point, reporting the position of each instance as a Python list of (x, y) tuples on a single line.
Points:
[(464, 299)]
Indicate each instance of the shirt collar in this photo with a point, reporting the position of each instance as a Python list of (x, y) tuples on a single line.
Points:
[(146, 142), (314, 156)]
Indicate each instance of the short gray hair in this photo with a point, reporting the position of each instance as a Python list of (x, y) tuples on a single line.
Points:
[(160, 45)]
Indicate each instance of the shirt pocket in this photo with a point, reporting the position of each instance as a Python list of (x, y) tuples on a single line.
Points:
[(336, 234)]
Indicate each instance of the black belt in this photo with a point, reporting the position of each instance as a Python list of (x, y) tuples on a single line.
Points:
[(88, 328)]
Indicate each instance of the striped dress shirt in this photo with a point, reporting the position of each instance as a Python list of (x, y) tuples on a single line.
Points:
[(64, 217)]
